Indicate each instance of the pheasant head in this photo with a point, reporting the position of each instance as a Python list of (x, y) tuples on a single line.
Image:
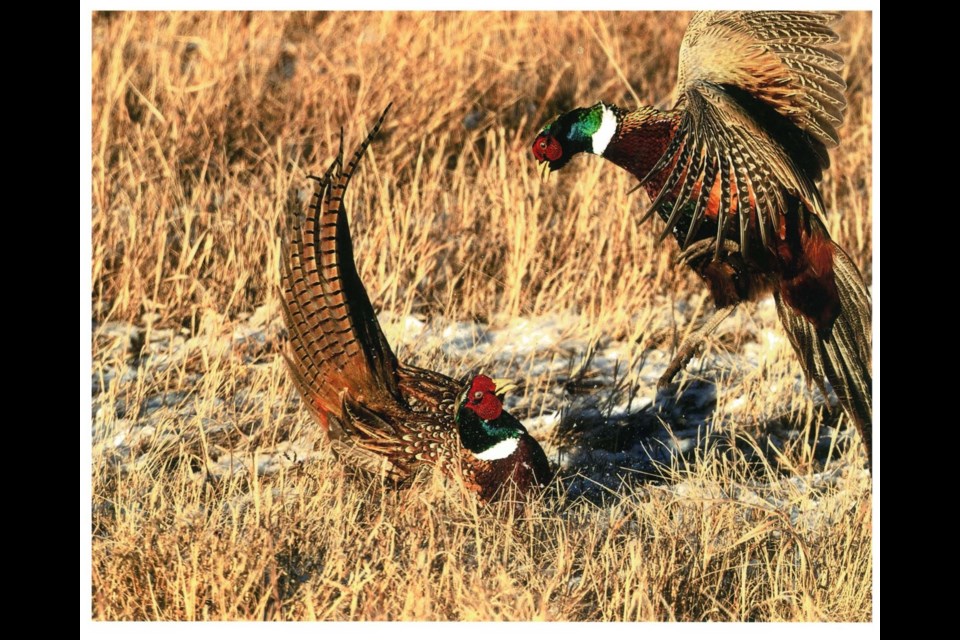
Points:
[(486, 430), (587, 129)]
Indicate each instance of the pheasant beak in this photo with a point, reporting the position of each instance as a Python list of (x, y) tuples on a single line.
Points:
[(504, 386), (545, 170)]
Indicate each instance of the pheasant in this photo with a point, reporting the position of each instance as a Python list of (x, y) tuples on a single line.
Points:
[(379, 415), (733, 171)]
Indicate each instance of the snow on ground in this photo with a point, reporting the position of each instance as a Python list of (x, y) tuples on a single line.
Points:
[(593, 405)]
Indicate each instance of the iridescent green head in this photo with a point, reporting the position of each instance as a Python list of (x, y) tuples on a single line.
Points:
[(586, 129)]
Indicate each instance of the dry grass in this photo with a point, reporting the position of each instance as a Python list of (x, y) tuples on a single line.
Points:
[(204, 128)]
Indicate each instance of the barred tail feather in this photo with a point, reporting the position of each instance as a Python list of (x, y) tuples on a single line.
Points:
[(336, 345), (842, 353)]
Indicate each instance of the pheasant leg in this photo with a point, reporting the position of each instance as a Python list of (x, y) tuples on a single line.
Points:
[(694, 255), (689, 347)]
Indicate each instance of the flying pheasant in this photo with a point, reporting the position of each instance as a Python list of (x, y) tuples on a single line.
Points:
[(733, 170), (381, 416)]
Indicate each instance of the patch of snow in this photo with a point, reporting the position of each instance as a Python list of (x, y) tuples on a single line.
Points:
[(737, 403), (593, 405)]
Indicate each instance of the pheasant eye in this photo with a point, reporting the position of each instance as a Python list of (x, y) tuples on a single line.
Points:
[(478, 395), (551, 148)]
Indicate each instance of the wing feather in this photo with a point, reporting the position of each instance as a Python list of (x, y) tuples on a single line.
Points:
[(761, 98)]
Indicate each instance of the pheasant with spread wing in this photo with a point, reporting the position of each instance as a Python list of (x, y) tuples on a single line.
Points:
[(733, 171), (379, 415)]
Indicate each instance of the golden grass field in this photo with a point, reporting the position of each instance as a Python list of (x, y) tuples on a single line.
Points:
[(212, 496)]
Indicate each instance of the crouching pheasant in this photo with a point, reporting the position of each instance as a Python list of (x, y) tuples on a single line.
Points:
[(733, 170), (381, 416)]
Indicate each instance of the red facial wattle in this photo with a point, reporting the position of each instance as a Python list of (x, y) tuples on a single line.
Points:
[(546, 148), (482, 399)]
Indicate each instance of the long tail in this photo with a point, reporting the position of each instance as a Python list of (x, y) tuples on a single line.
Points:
[(842, 353), (336, 344)]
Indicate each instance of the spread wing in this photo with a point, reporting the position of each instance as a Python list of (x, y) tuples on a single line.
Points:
[(762, 98)]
